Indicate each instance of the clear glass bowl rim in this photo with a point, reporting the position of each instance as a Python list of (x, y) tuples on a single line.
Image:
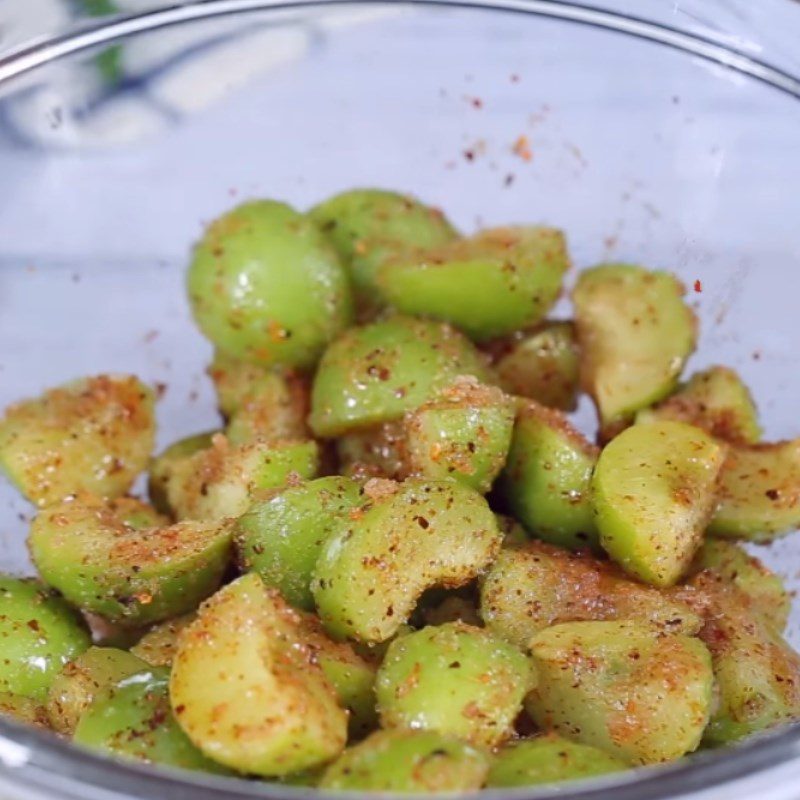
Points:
[(39, 764)]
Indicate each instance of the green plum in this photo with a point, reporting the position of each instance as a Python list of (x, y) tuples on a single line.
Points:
[(756, 672), (759, 492), (160, 472), (654, 491), (93, 434), (635, 333), (280, 538), (223, 480), (548, 758), (544, 366), (766, 590), (104, 561), (23, 709), (85, 678), (367, 226), (456, 679), (622, 687), (40, 634), (376, 373), (534, 586), (463, 434), (404, 539), (267, 287), (492, 284), (715, 400), (260, 403), (547, 478), (247, 688), (401, 761), (132, 719), (157, 646)]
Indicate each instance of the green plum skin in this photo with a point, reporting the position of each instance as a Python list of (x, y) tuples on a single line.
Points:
[(375, 373), (407, 761), (759, 492), (266, 286), (765, 590), (161, 467), (547, 478), (404, 539), (622, 687), (533, 586), (756, 671), (222, 481), (715, 400), (126, 574), (40, 633), (157, 646), (280, 538), (456, 679), (132, 720), (23, 709), (548, 758), (368, 226), (351, 674), (499, 281), (464, 434), (635, 333), (654, 490), (83, 679), (247, 686), (544, 366), (94, 434)]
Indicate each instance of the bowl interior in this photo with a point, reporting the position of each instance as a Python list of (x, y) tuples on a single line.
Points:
[(640, 151)]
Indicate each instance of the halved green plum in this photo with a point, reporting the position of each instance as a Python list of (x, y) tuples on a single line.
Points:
[(622, 687), (351, 674), (513, 532), (93, 434), (23, 709), (376, 373), (132, 719), (635, 333), (547, 478), (534, 586), (280, 538), (367, 226), (260, 403), (160, 472), (456, 679), (406, 761), (157, 647), (654, 491), (85, 678), (766, 590), (375, 452), (463, 434), (544, 366), (404, 539), (715, 400), (494, 283), (221, 481), (548, 758), (756, 672), (247, 689), (39, 633), (105, 560), (759, 492), (267, 287)]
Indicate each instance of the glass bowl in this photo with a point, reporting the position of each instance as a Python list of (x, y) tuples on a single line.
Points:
[(671, 140)]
